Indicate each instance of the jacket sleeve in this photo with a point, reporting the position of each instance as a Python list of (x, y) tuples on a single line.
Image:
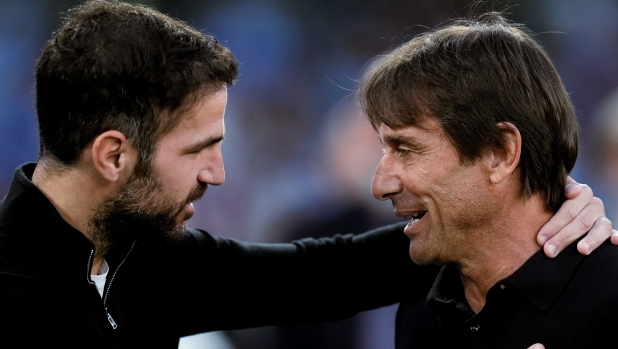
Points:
[(217, 283)]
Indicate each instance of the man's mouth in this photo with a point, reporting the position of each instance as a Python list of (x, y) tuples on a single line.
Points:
[(415, 217), (196, 193)]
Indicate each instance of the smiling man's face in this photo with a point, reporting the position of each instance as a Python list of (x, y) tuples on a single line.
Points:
[(421, 173)]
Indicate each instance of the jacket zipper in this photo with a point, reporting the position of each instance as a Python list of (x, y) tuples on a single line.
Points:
[(89, 265), (109, 317)]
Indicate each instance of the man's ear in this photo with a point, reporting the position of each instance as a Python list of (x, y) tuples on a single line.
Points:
[(504, 161), (113, 156)]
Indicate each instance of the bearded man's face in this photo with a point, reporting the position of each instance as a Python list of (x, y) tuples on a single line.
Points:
[(142, 209), (156, 200)]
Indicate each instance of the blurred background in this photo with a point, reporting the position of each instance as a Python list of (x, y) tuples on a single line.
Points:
[(298, 154)]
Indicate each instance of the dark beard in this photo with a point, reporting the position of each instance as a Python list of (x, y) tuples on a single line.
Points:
[(140, 210)]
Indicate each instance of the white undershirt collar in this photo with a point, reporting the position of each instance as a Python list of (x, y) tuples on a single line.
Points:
[(100, 278)]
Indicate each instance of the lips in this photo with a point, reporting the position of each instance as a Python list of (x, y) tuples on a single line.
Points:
[(187, 212), (196, 193), (416, 216)]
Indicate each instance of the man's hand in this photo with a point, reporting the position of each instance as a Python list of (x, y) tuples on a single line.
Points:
[(537, 346), (580, 213)]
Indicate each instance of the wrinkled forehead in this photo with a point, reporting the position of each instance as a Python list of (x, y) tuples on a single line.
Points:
[(424, 124), (397, 123)]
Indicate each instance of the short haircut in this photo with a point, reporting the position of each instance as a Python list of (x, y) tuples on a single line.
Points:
[(126, 67), (469, 76)]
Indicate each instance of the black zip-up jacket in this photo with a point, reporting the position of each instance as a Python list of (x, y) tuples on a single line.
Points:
[(156, 294)]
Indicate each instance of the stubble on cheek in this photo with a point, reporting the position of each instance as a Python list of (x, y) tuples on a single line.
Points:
[(141, 210)]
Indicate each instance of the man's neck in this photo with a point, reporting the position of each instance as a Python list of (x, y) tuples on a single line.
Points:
[(501, 249), (96, 265)]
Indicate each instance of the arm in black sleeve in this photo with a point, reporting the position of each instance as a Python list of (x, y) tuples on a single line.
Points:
[(224, 284)]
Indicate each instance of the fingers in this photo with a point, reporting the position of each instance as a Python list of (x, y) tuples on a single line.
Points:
[(614, 238), (570, 220), (581, 224), (570, 180), (537, 346), (573, 189), (601, 231)]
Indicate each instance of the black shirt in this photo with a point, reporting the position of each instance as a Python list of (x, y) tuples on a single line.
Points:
[(156, 293), (570, 301)]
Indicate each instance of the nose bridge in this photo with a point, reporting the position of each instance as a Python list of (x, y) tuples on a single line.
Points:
[(386, 182)]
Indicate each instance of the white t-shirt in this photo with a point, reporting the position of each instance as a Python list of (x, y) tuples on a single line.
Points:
[(99, 279)]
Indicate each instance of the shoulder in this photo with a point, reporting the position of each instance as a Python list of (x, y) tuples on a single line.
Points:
[(14, 276), (19, 285), (25, 298), (601, 264), (605, 255), (594, 281), (33, 306)]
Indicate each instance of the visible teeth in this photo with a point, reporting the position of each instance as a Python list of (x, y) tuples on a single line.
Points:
[(413, 221), (415, 214)]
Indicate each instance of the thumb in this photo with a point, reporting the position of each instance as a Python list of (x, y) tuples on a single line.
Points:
[(537, 346)]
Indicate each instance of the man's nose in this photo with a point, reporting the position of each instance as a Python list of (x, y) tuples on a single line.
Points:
[(213, 171), (385, 183)]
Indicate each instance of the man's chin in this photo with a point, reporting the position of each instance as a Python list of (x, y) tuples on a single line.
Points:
[(185, 216), (172, 236), (187, 211), (420, 257), (160, 234)]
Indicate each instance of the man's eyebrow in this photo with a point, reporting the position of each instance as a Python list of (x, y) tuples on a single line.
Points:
[(396, 140), (204, 144)]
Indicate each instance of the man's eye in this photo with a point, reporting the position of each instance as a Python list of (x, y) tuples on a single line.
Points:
[(195, 151), (402, 151)]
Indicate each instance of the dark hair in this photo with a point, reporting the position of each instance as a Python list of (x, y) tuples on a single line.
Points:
[(471, 75), (125, 67)]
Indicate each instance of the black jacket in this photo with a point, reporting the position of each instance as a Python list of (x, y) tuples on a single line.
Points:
[(156, 294)]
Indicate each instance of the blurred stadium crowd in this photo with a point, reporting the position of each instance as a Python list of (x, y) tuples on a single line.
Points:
[(298, 154)]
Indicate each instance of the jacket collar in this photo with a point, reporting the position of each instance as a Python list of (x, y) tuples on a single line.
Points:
[(34, 235), (540, 280)]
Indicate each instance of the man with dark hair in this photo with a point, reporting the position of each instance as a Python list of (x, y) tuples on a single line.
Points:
[(94, 252), (479, 138)]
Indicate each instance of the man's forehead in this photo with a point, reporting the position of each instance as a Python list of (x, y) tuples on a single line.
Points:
[(200, 100), (211, 105), (422, 129)]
